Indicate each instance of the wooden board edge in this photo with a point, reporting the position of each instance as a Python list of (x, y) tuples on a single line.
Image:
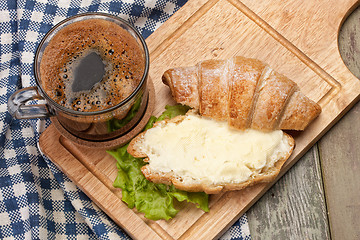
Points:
[(177, 20)]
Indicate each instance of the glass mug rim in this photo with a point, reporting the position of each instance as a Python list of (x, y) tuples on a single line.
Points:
[(91, 113)]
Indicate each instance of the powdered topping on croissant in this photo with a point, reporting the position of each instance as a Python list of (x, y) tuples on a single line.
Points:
[(245, 92)]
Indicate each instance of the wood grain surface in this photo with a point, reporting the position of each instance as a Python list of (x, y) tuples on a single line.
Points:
[(297, 38)]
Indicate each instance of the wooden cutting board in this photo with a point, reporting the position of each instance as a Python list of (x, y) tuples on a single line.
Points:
[(297, 38)]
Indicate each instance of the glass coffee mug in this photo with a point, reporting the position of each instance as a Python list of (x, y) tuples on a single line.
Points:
[(92, 71)]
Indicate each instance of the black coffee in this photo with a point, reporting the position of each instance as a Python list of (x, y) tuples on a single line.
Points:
[(91, 65), (89, 71)]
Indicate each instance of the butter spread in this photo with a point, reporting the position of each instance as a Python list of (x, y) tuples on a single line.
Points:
[(210, 150)]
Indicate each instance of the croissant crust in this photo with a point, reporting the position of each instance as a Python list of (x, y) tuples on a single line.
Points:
[(243, 91)]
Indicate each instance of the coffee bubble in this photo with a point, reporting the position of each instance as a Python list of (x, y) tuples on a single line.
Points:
[(94, 64)]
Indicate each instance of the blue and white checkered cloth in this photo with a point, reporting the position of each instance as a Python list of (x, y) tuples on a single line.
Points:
[(37, 201)]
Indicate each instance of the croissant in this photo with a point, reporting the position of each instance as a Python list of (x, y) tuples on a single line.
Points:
[(243, 91)]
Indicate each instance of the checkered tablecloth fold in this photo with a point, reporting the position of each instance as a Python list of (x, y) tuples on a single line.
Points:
[(37, 201)]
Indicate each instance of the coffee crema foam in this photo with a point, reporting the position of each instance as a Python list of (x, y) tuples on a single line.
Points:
[(119, 52)]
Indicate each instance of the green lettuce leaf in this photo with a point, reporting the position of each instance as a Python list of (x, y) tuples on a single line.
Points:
[(173, 111), (156, 201), (115, 124)]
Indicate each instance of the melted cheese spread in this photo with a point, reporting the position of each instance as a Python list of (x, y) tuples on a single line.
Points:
[(209, 150)]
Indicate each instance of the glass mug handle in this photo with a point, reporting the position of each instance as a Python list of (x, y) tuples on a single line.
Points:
[(18, 109)]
